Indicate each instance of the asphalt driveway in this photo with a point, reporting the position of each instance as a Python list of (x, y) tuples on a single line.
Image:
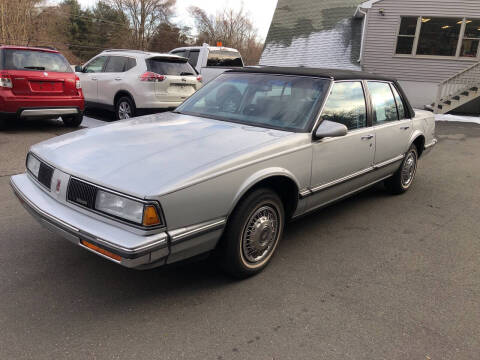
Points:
[(372, 277)]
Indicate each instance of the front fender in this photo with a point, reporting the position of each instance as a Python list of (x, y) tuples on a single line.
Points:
[(257, 177)]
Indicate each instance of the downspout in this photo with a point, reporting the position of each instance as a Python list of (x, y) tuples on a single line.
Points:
[(364, 13)]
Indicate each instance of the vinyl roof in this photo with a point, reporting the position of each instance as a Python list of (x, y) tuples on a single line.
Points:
[(317, 72)]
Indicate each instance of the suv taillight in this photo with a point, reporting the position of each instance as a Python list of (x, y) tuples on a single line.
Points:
[(151, 76), (200, 78), (5, 81)]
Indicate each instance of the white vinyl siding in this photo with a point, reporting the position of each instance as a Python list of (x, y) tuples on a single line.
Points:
[(381, 39)]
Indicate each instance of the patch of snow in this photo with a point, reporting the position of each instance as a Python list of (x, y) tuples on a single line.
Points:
[(457, 118), (89, 122)]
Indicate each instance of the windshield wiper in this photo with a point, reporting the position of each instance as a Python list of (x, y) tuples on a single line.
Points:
[(185, 73), (34, 67)]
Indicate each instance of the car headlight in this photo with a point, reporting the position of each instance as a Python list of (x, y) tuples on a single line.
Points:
[(33, 165), (127, 209)]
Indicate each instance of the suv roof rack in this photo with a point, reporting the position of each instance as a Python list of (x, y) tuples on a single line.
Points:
[(126, 50)]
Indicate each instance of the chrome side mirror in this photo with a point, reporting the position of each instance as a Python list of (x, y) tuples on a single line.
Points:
[(330, 129)]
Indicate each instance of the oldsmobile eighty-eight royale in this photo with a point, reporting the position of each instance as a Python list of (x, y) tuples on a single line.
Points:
[(228, 168)]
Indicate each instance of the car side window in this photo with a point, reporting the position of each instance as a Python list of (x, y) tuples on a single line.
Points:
[(384, 106), (179, 53), (96, 65), (400, 106), (346, 105), (193, 57), (131, 63), (116, 64)]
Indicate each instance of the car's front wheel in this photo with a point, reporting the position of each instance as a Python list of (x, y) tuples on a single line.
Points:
[(124, 108), (402, 180), (72, 121), (252, 234)]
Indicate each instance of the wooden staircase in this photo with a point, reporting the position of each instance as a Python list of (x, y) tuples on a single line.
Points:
[(458, 90)]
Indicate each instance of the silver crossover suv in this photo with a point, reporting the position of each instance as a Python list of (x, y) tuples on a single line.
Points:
[(224, 172), (132, 82)]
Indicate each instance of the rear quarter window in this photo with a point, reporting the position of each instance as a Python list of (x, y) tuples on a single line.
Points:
[(170, 67), (33, 60), (193, 57)]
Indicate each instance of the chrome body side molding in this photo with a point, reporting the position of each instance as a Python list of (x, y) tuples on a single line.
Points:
[(186, 233), (307, 192)]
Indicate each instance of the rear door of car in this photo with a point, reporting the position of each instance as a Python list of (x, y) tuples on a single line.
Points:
[(89, 77), (392, 127), (342, 164), (180, 79), (113, 77), (39, 73)]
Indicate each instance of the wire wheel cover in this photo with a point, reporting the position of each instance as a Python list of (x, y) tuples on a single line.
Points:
[(260, 234), (408, 169)]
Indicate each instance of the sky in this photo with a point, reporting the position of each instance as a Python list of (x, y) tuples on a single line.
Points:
[(261, 11)]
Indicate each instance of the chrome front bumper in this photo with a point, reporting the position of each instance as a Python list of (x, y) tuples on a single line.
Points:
[(135, 251)]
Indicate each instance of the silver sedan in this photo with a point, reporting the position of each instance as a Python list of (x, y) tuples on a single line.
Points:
[(250, 151)]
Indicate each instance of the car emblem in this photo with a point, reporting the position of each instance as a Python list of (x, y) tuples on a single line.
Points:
[(184, 80), (45, 74), (59, 183)]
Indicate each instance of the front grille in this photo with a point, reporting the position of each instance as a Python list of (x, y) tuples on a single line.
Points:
[(81, 193), (45, 174)]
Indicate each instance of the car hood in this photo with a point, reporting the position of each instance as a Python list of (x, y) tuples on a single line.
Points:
[(156, 154)]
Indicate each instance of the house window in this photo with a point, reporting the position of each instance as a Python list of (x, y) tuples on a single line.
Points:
[(406, 35), (439, 36), (471, 38), (435, 36)]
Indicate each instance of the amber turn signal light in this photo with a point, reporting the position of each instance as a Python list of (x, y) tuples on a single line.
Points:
[(101, 251), (150, 216)]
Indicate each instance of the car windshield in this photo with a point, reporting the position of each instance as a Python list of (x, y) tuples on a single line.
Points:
[(17, 59), (281, 102)]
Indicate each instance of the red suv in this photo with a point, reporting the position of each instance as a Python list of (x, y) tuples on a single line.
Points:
[(38, 83)]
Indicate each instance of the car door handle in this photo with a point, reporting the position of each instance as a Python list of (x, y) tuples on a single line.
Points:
[(405, 128), (95, 79), (118, 79), (367, 137)]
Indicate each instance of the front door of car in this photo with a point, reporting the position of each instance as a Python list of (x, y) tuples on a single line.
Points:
[(342, 164), (392, 129), (89, 78)]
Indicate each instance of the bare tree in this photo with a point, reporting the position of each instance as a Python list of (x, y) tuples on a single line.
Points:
[(232, 28), (16, 21), (145, 17)]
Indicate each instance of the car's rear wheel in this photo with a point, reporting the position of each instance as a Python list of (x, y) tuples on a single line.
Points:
[(252, 234), (72, 121), (402, 180), (124, 108)]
